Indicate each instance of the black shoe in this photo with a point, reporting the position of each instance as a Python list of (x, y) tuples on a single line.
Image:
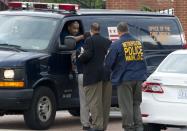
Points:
[(85, 128)]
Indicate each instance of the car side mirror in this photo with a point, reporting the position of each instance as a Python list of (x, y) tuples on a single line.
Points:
[(69, 44)]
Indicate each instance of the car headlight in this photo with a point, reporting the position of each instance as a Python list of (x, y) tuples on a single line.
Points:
[(12, 78), (9, 74), (15, 74)]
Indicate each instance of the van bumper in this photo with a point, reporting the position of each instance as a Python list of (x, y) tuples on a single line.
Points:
[(19, 99)]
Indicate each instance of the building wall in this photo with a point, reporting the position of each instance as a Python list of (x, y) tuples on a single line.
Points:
[(181, 12), (138, 4), (2, 6), (180, 7)]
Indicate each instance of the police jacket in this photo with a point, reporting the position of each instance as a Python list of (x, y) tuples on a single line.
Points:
[(95, 49), (125, 59)]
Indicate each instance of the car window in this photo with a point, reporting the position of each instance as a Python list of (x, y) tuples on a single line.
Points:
[(175, 63), (27, 32)]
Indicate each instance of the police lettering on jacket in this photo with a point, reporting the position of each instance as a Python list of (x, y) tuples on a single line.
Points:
[(133, 50), (125, 59)]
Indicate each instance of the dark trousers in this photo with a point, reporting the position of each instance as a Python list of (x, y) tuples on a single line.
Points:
[(129, 99)]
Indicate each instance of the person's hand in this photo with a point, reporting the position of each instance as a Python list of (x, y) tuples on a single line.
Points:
[(81, 52), (86, 35)]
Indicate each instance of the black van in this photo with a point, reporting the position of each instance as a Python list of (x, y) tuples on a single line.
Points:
[(33, 81)]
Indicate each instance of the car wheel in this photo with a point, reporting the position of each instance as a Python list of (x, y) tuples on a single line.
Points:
[(74, 112), (152, 127), (42, 112)]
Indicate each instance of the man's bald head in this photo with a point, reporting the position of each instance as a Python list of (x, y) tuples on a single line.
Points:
[(95, 28)]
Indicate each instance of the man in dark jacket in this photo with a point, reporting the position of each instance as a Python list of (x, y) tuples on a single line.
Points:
[(125, 59), (96, 78)]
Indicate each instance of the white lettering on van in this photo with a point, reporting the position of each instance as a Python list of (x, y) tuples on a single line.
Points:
[(160, 33)]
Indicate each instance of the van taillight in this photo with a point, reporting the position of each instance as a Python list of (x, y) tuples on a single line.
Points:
[(152, 87)]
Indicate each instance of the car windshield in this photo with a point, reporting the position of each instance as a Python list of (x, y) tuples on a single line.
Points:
[(175, 63), (32, 33)]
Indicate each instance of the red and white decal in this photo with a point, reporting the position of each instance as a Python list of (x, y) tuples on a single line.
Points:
[(113, 33)]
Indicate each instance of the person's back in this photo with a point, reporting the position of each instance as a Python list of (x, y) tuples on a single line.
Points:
[(133, 67), (98, 91), (125, 59), (95, 65), (101, 44)]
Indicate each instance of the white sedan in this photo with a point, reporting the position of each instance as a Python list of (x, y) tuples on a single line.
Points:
[(164, 94)]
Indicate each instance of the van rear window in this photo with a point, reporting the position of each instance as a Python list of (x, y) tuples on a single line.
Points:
[(154, 32), (157, 33)]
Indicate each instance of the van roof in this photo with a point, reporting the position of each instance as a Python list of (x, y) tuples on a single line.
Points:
[(56, 14), (46, 14), (119, 12)]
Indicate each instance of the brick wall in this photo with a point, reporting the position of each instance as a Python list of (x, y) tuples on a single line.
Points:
[(181, 12), (180, 7), (138, 4), (2, 6)]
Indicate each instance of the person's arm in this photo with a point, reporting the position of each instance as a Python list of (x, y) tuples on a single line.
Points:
[(79, 38), (87, 52), (110, 58)]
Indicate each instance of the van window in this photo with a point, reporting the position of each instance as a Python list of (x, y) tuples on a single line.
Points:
[(154, 32), (158, 33), (65, 31), (154, 60), (109, 21)]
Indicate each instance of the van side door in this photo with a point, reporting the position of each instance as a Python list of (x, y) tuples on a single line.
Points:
[(66, 66)]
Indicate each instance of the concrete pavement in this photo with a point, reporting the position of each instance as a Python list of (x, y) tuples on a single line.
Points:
[(63, 122)]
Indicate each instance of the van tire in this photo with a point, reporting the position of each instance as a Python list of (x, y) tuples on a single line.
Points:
[(42, 112), (152, 127), (74, 112)]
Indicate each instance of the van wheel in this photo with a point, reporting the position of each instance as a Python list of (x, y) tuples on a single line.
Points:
[(42, 112), (74, 112), (152, 127)]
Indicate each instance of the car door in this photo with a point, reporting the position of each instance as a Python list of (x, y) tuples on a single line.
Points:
[(64, 71)]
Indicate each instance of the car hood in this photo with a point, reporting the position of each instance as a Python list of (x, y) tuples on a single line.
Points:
[(13, 58)]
